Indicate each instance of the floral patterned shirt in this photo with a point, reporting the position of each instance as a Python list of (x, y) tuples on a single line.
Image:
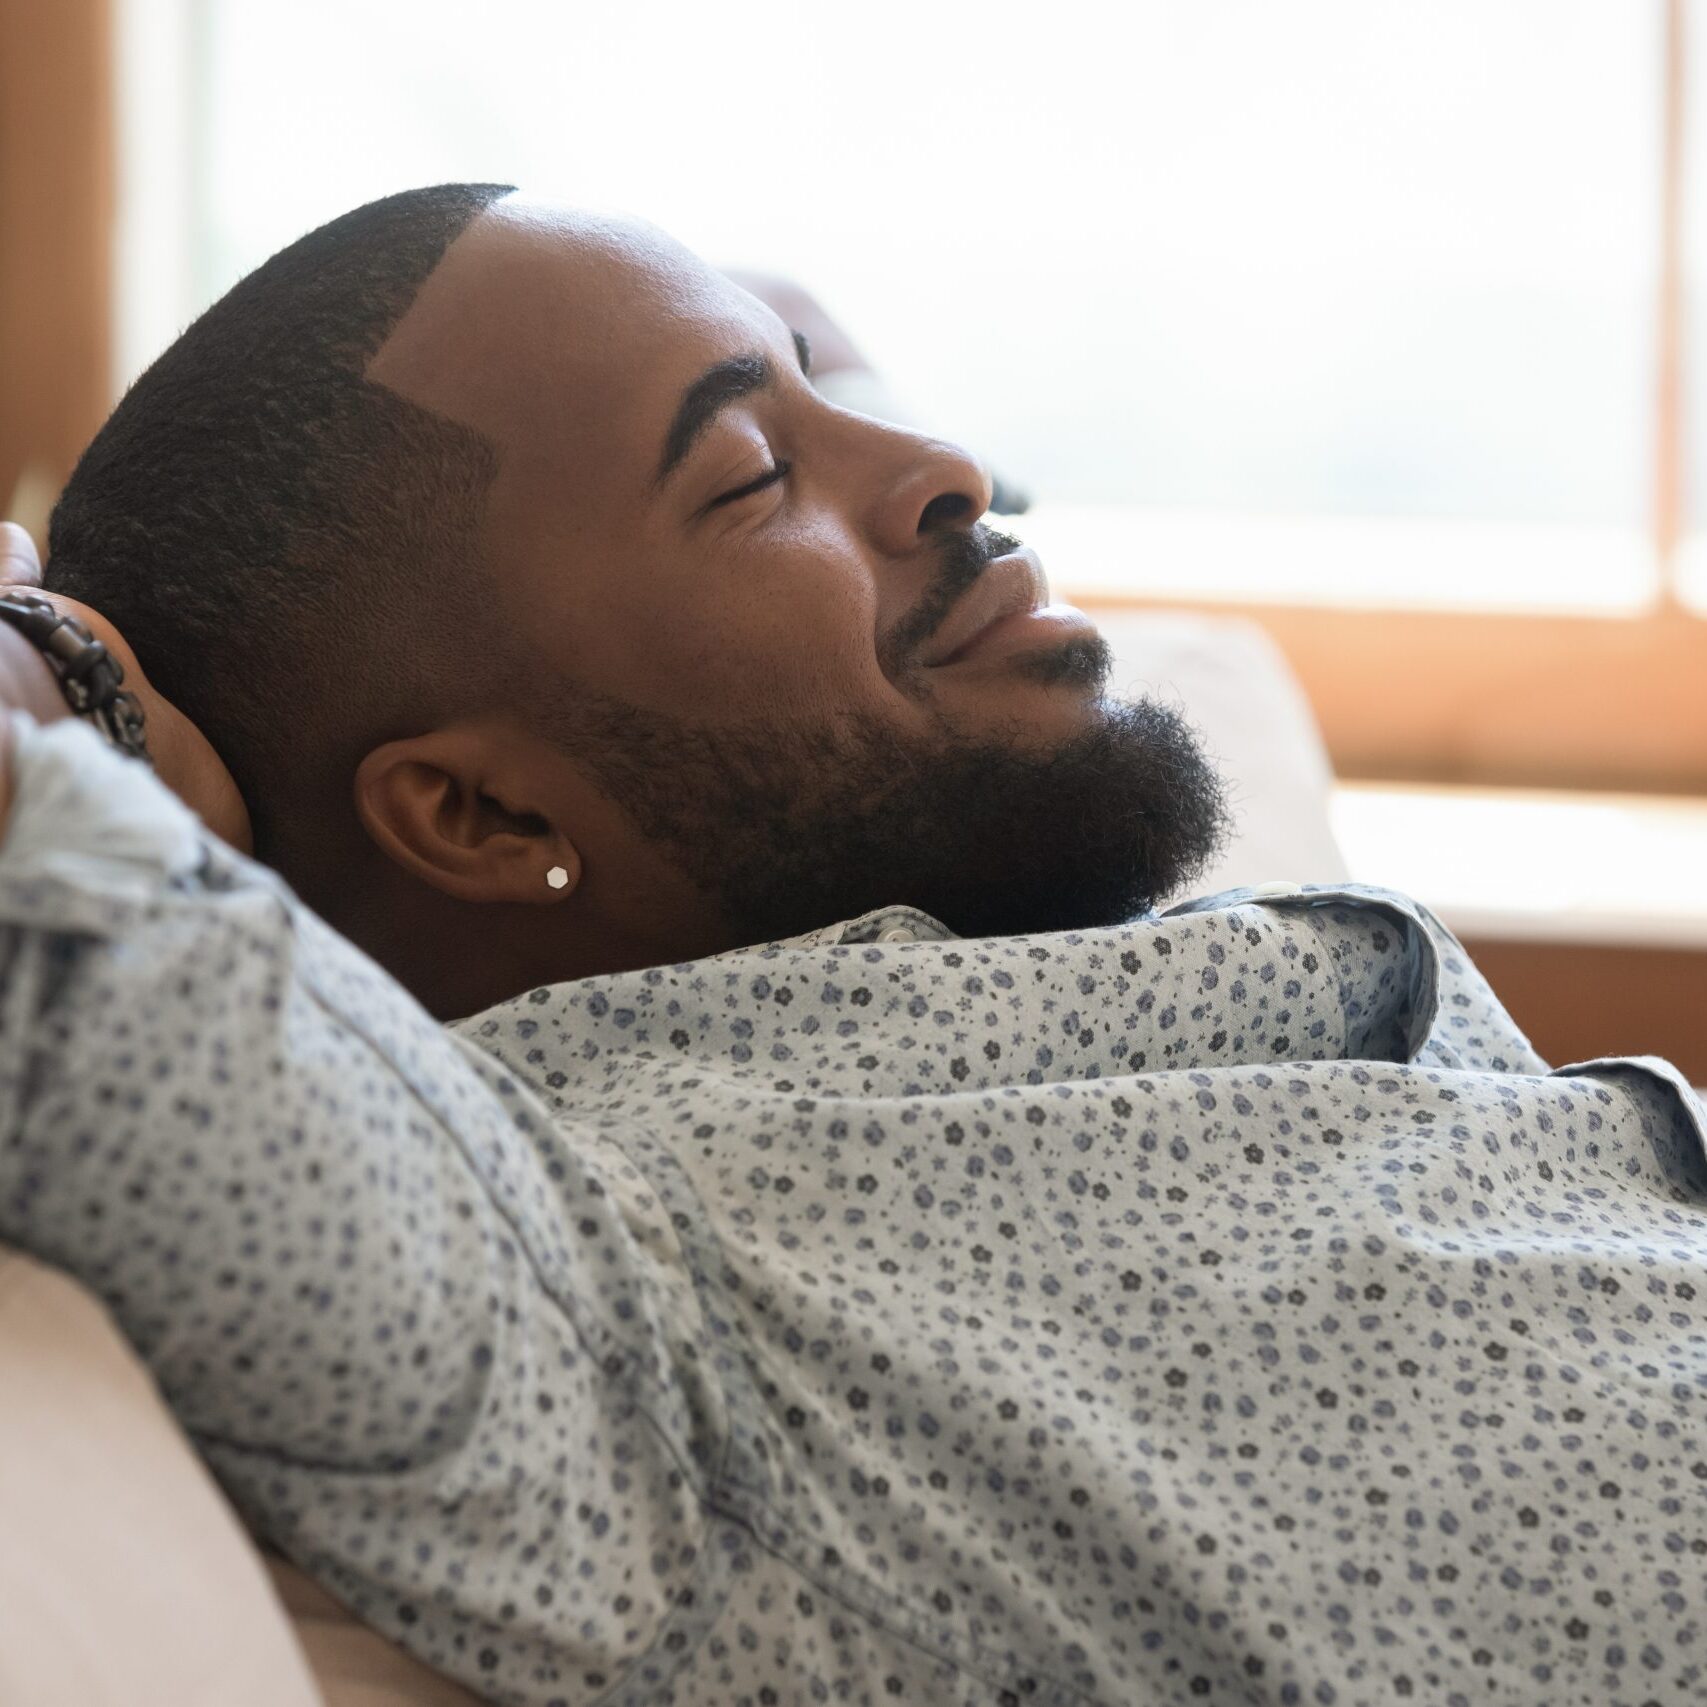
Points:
[(1227, 1306)]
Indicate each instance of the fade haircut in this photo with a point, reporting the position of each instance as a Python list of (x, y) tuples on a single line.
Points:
[(292, 551)]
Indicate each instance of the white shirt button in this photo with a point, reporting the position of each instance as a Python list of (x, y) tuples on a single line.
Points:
[(896, 933)]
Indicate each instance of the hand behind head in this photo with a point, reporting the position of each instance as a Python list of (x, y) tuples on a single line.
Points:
[(183, 757)]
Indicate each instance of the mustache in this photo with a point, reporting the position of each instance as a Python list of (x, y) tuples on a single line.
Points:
[(962, 556)]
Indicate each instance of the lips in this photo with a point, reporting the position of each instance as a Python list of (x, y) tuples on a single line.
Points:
[(1010, 586)]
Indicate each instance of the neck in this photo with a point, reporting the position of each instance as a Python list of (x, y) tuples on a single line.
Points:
[(459, 957)]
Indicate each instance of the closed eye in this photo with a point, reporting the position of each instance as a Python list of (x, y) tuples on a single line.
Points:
[(768, 478)]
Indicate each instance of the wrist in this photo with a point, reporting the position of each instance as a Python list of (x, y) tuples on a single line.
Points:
[(27, 681), (89, 677), (27, 685)]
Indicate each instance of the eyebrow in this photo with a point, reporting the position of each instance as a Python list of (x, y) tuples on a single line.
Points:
[(722, 384)]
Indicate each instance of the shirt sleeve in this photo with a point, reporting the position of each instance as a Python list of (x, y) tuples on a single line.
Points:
[(1376, 975), (400, 1314)]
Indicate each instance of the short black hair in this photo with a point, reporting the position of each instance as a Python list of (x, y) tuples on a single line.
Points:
[(289, 548)]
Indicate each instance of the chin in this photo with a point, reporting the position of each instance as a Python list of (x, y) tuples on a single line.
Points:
[(1060, 692), (1084, 662)]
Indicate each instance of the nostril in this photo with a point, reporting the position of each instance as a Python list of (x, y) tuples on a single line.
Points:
[(944, 509)]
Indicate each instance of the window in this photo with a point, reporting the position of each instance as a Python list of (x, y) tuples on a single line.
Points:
[(1328, 310)]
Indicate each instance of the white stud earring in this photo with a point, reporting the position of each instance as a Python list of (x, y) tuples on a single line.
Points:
[(557, 877)]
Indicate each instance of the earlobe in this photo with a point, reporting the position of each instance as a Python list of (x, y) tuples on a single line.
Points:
[(435, 805)]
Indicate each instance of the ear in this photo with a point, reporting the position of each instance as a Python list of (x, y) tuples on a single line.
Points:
[(453, 808)]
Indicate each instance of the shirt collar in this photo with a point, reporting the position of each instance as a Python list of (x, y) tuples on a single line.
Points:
[(881, 924)]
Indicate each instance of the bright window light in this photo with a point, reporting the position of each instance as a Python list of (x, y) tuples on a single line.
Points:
[(1331, 259)]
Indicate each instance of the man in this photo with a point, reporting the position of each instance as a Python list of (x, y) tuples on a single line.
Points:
[(1225, 1305)]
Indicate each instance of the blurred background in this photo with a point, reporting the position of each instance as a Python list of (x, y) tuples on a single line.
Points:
[(1375, 323)]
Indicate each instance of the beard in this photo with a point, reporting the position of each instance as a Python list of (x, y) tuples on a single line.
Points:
[(786, 829)]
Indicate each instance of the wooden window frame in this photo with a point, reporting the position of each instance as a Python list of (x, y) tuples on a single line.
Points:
[(1498, 700), (57, 207)]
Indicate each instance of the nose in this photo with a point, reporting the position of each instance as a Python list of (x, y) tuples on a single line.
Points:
[(939, 486)]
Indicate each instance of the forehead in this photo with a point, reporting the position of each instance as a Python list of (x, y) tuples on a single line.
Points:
[(566, 338)]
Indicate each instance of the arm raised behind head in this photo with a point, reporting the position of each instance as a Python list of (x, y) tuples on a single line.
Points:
[(184, 759)]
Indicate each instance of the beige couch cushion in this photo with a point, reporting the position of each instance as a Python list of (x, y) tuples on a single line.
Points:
[(124, 1577), (356, 1666)]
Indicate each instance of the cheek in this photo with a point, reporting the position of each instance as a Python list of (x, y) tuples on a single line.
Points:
[(786, 632)]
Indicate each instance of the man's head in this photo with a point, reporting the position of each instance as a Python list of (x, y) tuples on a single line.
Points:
[(484, 538)]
